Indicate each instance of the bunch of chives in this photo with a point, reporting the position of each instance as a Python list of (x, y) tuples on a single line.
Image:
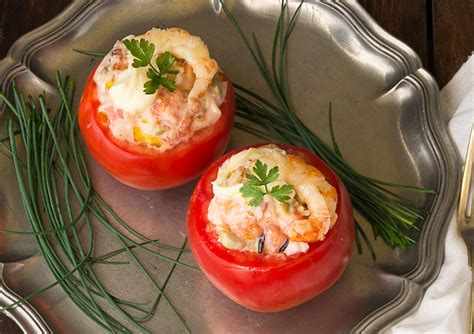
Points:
[(59, 201), (390, 216)]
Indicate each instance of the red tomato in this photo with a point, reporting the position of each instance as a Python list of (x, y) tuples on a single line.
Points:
[(271, 283), (141, 167)]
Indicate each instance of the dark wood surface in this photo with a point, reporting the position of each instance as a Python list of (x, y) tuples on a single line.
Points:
[(440, 31)]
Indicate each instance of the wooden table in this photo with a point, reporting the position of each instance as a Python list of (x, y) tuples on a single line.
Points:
[(440, 31)]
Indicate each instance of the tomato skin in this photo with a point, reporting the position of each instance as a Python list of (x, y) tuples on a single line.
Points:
[(271, 283), (144, 168)]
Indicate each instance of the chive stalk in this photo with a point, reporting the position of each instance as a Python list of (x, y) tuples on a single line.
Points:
[(61, 206), (390, 216)]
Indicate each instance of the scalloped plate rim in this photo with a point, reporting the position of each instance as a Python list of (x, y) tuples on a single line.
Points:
[(424, 272)]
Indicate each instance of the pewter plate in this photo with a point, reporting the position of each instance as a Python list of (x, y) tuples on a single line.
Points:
[(387, 121)]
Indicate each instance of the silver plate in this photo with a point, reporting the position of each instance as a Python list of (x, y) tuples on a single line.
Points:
[(388, 124)]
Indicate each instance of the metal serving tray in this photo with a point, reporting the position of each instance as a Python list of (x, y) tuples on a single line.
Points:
[(387, 122)]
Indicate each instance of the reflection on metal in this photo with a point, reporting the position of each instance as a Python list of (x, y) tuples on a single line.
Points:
[(216, 4), (24, 316), (385, 109)]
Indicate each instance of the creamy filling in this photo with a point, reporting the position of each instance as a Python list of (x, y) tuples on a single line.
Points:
[(163, 119), (272, 226)]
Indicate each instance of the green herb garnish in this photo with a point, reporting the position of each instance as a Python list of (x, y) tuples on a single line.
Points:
[(252, 188), (159, 73), (64, 211), (390, 216)]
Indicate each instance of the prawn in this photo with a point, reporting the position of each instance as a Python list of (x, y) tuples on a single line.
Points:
[(192, 50), (312, 189)]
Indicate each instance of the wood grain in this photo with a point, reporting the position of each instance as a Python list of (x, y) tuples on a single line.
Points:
[(406, 20), (8, 326), (453, 37), (21, 16), (440, 31)]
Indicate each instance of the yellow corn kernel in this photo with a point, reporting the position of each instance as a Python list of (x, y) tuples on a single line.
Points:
[(109, 84), (155, 141), (137, 134), (140, 137)]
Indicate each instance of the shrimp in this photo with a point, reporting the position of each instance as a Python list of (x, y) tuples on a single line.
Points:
[(274, 237), (235, 218), (317, 194), (305, 230), (297, 171), (280, 227), (189, 48), (315, 226), (165, 118), (312, 188), (196, 71), (309, 194), (168, 110), (246, 229), (249, 229)]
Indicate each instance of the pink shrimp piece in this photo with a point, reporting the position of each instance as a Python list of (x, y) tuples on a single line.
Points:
[(274, 237), (306, 230)]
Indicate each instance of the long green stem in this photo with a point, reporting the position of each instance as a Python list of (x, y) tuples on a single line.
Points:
[(389, 215), (62, 206)]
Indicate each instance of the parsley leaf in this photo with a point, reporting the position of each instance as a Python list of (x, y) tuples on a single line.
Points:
[(262, 178), (253, 192), (142, 51), (272, 175), (164, 62), (253, 180), (282, 193), (251, 189), (159, 75), (260, 170)]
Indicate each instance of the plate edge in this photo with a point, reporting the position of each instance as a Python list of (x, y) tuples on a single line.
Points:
[(430, 262), (422, 275)]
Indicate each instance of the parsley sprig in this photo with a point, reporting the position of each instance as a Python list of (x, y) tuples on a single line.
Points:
[(158, 74), (252, 188), (392, 216)]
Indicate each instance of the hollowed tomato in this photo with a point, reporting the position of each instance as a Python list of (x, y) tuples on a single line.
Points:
[(271, 283), (145, 168)]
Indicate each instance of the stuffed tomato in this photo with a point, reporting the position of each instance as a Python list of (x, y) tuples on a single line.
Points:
[(157, 110), (271, 226)]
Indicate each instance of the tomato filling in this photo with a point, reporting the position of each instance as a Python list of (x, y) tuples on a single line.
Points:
[(267, 201), (170, 115)]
